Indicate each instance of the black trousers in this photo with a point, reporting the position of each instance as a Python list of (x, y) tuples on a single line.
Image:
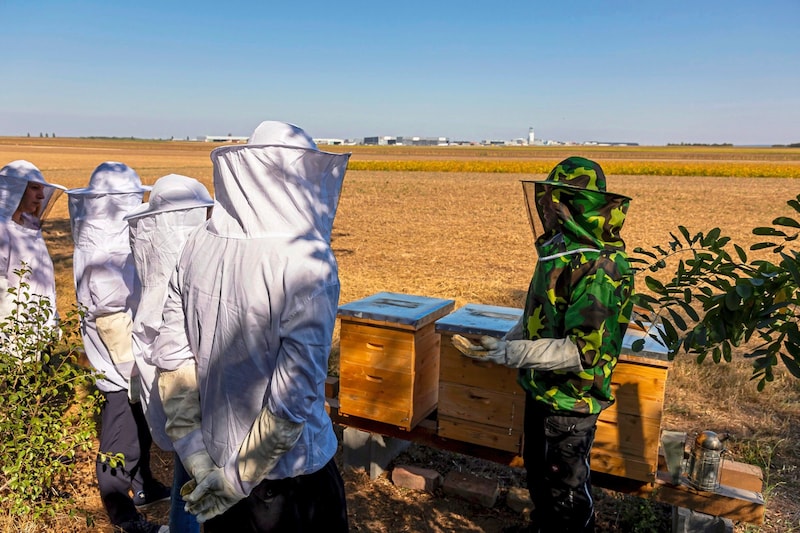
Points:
[(123, 430), (556, 458), (303, 504)]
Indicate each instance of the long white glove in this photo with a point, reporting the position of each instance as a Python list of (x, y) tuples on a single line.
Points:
[(116, 332), (180, 396), (213, 496), (540, 354), (268, 439)]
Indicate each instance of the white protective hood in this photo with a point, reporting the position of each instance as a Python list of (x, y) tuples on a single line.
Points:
[(277, 184), (24, 243), (105, 276), (252, 302), (14, 177), (158, 229)]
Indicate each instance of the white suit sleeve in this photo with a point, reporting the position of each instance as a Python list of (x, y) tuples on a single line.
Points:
[(177, 376)]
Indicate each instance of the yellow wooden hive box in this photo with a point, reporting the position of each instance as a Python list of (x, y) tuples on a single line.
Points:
[(479, 402), (482, 403), (389, 357)]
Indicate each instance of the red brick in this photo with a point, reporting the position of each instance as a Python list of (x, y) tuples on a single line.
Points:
[(416, 478), (472, 488)]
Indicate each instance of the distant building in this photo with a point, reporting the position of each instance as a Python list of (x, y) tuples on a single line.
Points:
[(331, 142), (531, 137), (388, 140), (222, 139)]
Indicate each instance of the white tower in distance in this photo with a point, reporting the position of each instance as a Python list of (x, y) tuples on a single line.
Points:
[(530, 136)]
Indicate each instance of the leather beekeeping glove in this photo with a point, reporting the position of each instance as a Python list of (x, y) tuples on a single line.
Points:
[(213, 496), (180, 396), (268, 439), (539, 354), (116, 331)]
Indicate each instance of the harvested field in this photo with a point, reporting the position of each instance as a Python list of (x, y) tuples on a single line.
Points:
[(465, 236)]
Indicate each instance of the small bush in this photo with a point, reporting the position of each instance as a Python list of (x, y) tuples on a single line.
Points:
[(47, 406)]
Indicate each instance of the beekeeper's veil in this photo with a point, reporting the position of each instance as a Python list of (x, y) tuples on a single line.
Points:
[(277, 183), (14, 178)]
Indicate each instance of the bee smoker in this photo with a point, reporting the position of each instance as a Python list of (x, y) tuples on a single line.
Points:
[(705, 461)]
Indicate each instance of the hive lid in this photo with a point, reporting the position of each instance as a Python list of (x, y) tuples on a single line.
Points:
[(652, 347), (405, 309), (477, 319)]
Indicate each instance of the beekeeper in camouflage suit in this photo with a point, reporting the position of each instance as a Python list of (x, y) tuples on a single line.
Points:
[(569, 338)]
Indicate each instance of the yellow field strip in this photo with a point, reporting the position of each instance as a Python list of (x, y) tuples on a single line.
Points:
[(611, 167)]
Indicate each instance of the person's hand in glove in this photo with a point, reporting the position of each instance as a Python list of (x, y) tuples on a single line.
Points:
[(198, 465), (490, 349), (539, 354), (212, 496)]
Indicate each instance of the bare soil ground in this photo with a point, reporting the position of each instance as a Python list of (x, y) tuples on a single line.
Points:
[(466, 237)]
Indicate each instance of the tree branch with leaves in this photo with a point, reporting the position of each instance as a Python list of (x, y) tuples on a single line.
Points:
[(719, 300)]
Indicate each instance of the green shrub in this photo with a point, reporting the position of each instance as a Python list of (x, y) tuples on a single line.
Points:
[(47, 406)]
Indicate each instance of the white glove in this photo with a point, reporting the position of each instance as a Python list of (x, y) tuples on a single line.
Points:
[(213, 496), (198, 465), (539, 354), (116, 332), (269, 438), (180, 396)]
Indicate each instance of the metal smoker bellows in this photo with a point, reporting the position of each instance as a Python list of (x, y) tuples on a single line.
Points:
[(705, 461)]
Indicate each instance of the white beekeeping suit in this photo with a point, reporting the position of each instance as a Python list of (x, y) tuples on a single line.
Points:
[(22, 242), (243, 350), (105, 276), (158, 229)]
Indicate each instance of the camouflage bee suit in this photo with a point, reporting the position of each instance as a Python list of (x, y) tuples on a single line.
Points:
[(581, 290)]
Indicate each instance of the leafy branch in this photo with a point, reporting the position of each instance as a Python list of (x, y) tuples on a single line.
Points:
[(718, 299)]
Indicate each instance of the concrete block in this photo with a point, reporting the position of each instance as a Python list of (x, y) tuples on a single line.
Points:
[(370, 451), (416, 478), (519, 500), (689, 521), (472, 488)]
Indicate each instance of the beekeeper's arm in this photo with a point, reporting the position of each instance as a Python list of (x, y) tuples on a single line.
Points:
[(294, 393), (593, 314), (110, 286), (540, 354), (177, 385)]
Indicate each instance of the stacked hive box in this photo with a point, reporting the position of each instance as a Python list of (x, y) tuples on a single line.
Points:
[(389, 357), (479, 402), (628, 433)]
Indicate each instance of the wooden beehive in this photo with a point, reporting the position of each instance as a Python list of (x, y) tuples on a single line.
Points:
[(628, 433), (389, 357), (479, 402)]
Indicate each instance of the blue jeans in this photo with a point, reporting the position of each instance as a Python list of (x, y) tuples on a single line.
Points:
[(180, 520)]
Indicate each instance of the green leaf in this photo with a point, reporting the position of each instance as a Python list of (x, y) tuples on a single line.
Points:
[(762, 245), (768, 231), (741, 253), (744, 289), (677, 319), (640, 250), (637, 345), (653, 284), (786, 221), (711, 237), (792, 365), (685, 234)]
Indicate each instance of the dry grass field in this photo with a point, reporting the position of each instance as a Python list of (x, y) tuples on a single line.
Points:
[(465, 236)]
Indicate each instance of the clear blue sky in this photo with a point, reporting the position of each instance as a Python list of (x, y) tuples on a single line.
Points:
[(652, 72)]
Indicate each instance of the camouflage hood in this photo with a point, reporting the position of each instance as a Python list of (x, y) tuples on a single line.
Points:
[(582, 284), (573, 201)]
